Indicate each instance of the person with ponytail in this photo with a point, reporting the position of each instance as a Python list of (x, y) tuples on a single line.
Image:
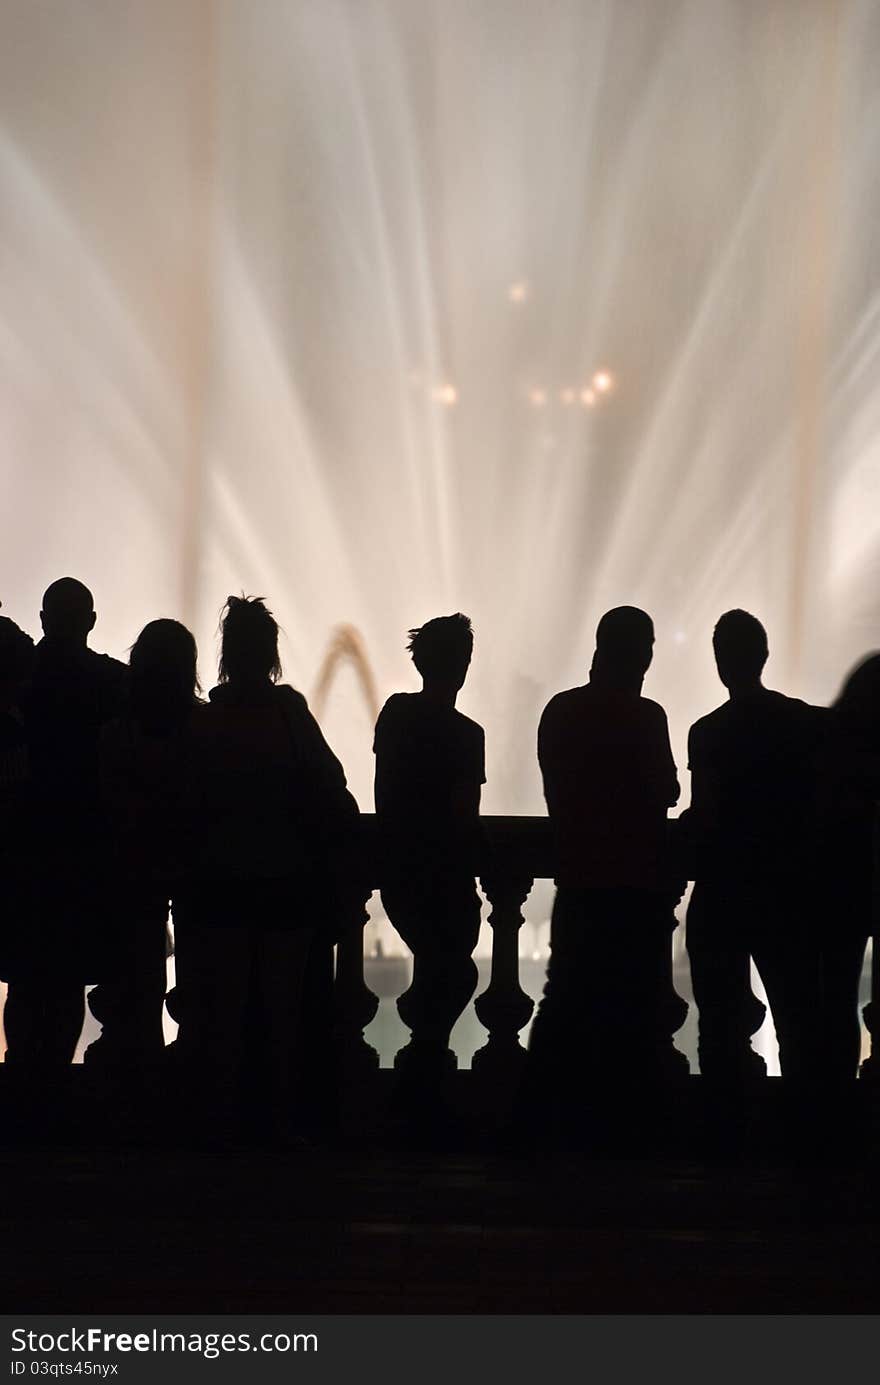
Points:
[(271, 808)]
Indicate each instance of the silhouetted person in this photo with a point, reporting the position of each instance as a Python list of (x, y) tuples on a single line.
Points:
[(430, 766), (752, 765), (849, 793), (73, 692), (608, 1010), (270, 802), (16, 838), (145, 758)]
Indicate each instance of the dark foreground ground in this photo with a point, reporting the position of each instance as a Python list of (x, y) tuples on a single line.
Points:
[(383, 1226)]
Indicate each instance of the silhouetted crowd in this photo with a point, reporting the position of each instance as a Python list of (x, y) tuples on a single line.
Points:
[(127, 798)]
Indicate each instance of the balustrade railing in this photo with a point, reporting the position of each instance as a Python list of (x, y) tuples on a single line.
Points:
[(515, 852)]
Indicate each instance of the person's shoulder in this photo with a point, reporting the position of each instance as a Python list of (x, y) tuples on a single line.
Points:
[(716, 717), (106, 667), (796, 710), (563, 712), (292, 700), (468, 726), (802, 707), (222, 710), (652, 711), (395, 714), (396, 708), (571, 696), (44, 652), (398, 702), (569, 700), (470, 734), (813, 723), (709, 724)]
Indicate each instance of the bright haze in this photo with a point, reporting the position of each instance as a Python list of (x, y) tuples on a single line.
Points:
[(384, 309)]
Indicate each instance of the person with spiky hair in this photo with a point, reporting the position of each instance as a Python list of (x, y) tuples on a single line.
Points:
[(430, 767), (271, 816)]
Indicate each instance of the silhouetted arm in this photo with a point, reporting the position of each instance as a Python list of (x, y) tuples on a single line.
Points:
[(323, 775), (667, 775), (465, 799), (696, 765), (380, 751), (703, 812), (548, 756)]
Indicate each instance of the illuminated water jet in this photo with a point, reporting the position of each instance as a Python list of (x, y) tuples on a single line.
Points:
[(258, 266)]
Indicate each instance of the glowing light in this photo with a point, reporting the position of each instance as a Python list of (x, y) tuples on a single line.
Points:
[(567, 396), (445, 394), (518, 292), (588, 398), (537, 398), (603, 381)]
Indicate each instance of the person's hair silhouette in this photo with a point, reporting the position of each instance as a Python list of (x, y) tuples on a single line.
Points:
[(858, 702), (162, 679), (249, 650), (442, 650), (68, 611), (741, 651), (624, 647)]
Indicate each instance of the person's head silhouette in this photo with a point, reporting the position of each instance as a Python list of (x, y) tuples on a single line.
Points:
[(162, 673), (741, 650), (68, 611), (441, 651), (857, 705), (249, 642), (624, 648)]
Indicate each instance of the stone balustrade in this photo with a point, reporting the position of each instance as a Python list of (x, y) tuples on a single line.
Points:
[(514, 853)]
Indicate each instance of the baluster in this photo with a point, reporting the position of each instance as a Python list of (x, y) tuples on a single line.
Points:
[(673, 1011), (504, 1008), (354, 1004)]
